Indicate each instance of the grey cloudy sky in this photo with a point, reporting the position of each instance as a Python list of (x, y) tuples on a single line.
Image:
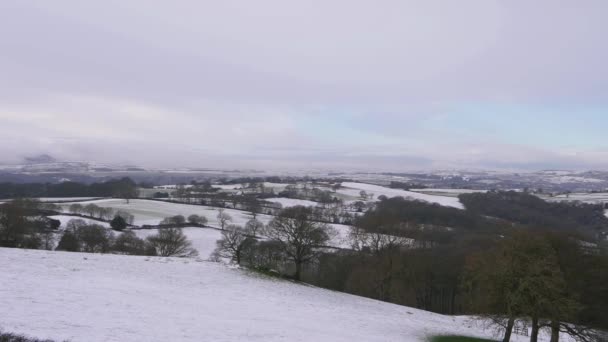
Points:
[(268, 83)]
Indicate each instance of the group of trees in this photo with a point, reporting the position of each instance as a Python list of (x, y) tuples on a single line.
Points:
[(118, 188), (92, 238), (460, 262), (292, 239), (181, 220), (22, 225), (544, 278), (102, 213), (526, 209)]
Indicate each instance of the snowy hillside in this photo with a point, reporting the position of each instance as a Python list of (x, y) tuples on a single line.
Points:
[(93, 297)]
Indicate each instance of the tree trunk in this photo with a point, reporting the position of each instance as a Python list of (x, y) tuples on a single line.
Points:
[(554, 331), (534, 335), (298, 273), (509, 329)]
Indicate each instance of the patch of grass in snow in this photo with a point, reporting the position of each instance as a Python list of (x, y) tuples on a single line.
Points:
[(9, 337), (266, 273), (455, 338)]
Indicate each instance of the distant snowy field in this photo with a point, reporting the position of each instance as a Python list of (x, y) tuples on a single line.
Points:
[(64, 199), (291, 202), (94, 298), (152, 212), (353, 190), (598, 197)]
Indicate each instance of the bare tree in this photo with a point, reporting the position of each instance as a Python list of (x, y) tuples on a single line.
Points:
[(76, 208), (376, 242), (91, 209), (106, 213), (74, 224), (254, 226), (223, 218), (234, 241), (171, 242), (299, 236)]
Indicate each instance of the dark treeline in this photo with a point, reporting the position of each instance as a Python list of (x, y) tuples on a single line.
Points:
[(461, 262), (123, 188), (278, 179), (527, 209), (397, 215)]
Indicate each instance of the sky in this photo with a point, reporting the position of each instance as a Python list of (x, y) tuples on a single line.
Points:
[(387, 84)]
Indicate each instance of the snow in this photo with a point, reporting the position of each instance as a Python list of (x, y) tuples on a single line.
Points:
[(598, 197), (291, 202), (449, 191), (64, 199), (228, 186), (353, 189), (95, 297), (573, 179), (152, 212)]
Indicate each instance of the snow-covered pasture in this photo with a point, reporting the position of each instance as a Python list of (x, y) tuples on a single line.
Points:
[(148, 212), (352, 190), (95, 297), (291, 202), (64, 199), (447, 192), (594, 198)]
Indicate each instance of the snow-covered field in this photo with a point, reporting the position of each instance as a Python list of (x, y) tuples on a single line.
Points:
[(353, 189), (291, 202), (95, 297), (64, 199), (447, 192), (598, 197), (152, 212)]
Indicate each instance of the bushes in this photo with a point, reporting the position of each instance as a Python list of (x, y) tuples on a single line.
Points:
[(81, 237), (94, 239), (176, 220), (129, 243), (118, 223), (197, 220), (69, 243), (171, 242)]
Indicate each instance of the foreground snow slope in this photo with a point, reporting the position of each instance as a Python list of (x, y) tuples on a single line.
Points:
[(93, 297)]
